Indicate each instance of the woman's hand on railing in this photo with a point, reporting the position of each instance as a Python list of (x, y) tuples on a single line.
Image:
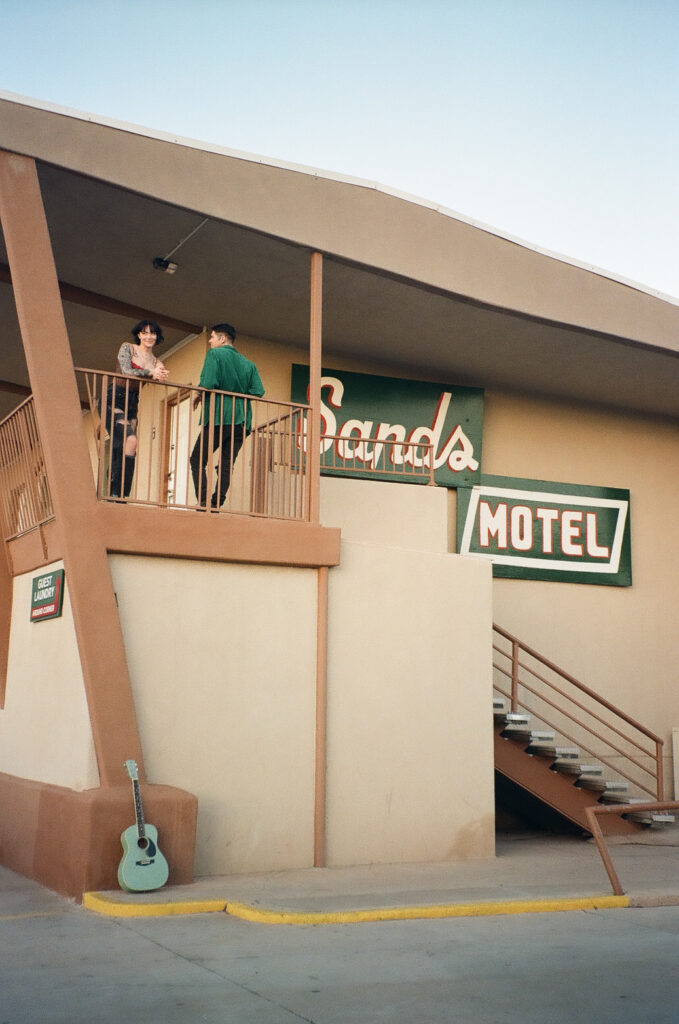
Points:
[(160, 372)]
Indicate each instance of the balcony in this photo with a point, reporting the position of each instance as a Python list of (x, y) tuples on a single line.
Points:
[(269, 477)]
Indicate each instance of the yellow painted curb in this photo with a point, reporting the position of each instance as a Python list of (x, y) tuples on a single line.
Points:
[(111, 907), (101, 904), (256, 914)]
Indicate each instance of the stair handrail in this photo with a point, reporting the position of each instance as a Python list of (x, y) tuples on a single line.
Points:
[(519, 645), (596, 809)]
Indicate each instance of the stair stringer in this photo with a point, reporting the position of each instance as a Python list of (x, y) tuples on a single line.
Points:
[(554, 789)]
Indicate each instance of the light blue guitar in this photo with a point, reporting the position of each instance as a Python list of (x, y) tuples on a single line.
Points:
[(143, 866)]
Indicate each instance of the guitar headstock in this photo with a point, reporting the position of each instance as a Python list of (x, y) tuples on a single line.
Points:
[(132, 770)]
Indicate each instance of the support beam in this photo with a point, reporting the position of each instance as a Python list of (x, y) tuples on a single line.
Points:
[(315, 360), (57, 409), (320, 815)]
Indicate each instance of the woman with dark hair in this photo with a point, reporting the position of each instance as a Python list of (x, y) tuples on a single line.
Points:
[(135, 359)]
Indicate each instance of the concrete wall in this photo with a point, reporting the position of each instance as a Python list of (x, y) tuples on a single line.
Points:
[(45, 731), (222, 661), (410, 760), (376, 512)]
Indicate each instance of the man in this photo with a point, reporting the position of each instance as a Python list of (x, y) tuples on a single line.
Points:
[(227, 423)]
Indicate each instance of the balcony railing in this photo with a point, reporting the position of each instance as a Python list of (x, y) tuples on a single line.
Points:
[(168, 423), (25, 500)]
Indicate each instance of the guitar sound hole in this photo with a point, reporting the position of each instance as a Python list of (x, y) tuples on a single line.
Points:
[(142, 843)]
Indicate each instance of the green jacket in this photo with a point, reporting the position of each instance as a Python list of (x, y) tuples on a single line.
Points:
[(225, 369)]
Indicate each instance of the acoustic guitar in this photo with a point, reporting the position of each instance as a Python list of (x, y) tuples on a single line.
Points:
[(143, 866)]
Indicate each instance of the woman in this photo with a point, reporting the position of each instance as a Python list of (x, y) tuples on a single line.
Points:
[(135, 359)]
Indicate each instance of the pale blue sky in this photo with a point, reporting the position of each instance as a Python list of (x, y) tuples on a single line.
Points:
[(551, 120)]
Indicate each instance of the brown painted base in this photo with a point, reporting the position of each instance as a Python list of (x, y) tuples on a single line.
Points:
[(70, 841)]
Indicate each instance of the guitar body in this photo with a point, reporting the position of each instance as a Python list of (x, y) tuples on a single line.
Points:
[(143, 867)]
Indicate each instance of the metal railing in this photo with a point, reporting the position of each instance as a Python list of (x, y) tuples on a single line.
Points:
[(380, 460), (267, 477), (260, 467), (25, 499), (577, 714), (593, 812)]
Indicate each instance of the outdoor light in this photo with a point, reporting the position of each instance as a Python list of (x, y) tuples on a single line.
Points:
[(162, 264)]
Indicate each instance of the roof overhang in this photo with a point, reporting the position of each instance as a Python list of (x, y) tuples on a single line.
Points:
[(405, 285)]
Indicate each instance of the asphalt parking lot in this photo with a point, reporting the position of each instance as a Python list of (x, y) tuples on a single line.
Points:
[(62, 963)]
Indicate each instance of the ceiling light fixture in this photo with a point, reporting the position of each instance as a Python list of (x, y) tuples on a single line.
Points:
[(164, 263)]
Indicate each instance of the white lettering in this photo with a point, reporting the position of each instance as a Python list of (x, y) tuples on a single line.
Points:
[(522, 528), (570, 532), (492, 524), (593, 548), (345, 450), (387, 432), (547, 515)]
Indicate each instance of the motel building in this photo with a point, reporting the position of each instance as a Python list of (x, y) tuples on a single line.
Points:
[(442, 591)]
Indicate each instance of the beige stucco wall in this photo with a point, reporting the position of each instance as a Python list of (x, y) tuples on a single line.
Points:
[(45, 731), (222, 660), (410, 759), (620, 641), (377, 512)]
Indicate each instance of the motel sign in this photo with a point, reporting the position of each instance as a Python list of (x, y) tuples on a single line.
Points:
[(531, 529)]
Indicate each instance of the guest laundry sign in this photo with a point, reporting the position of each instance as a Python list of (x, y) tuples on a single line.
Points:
[(47, 595), (531, 529), (371, 425)]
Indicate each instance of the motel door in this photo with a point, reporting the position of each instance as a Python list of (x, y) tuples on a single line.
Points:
[(179, 488)]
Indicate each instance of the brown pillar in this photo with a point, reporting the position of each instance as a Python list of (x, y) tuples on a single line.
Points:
[(57, 409), (315, 357), (5, 621)]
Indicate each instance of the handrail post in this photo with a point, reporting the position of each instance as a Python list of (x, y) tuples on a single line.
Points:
[(515, 674), (660, 774)]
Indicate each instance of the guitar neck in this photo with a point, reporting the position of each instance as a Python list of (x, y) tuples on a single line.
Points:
[(138, 809)]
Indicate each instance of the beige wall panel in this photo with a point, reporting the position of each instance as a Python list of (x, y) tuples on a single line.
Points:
[(410, 759), (222, 661), (620, 641), (45, 732), (376, 512)]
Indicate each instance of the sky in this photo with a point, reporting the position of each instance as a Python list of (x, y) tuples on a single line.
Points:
[(553, 121)]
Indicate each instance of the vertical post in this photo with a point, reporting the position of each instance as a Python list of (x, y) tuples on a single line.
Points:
[(321, 720), (67, 463), (660, 785), (515, 674), (315, 359)]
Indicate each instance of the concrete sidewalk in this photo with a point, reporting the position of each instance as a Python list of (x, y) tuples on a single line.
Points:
[(528, 874)]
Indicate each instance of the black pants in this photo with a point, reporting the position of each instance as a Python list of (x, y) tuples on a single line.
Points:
[(120, 428), (229, 440)]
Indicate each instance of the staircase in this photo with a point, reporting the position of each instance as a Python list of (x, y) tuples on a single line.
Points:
[(580, 750)]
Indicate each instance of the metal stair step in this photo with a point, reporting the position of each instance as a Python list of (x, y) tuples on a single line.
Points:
[(614, 792), (576, 768), (648, 817), (555, 753), (517, 724), (611, 786)]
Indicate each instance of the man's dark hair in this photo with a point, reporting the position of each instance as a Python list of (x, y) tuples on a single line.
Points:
[(225, 329), (152, 326)]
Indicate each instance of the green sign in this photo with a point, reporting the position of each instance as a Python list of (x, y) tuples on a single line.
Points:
[(47, 596), (536, 530), (375, 426)]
